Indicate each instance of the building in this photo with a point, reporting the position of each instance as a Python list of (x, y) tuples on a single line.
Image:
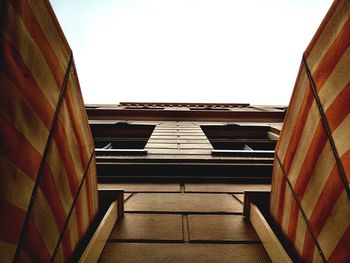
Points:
[(195, 178), (183, 142), (184, 168)]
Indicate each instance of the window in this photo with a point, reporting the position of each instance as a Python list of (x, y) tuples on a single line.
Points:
[(144, 108), (237, 140), (121, 138), (208, 108)]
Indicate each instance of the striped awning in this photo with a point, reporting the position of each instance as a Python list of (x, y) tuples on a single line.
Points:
[(310, 189), (48, 192)]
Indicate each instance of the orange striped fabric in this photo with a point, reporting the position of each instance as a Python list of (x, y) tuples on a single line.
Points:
[(48, 189), (310, 196)]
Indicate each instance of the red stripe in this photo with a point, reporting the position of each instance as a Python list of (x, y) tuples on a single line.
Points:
[(339, 109), (48, 187), (39, 36), (333, 55), (327, 200), (66, 236), (280, 212), (34, 246), (11, 221), (335, 114), (276, 195), (35, 30), (325, 68), (298, 129), (89, 192), (57, 26), (13, 66), (307, 255), (79, 216), (16, 72), (293, 143), (11, 141), (287, 118), (76, 119), (306, 172), (60, 136), (29, 163), (341, 254), (81, 117), (321, 28), (293, 220)]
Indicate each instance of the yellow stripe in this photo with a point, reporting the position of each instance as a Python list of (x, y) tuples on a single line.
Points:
[(293, 112), (41, 72), (299, 157), (45, 221), (337, 222), (312, 121), (274, 183), (336, 82), (288, 198), (330, 32), (8, 251), (341, 136), (313, 191), (324, 165), (330, 91), (275, 195), (317, 182), (307, 135), (60, 256), (79, 111), (283, 227), (25, 119), (42, 15), (60, 176), (85, 212), (300, 234), (23, 258), (317, 257), (12, 179), (322, 170), (20, 38), (71, 142), (72, 230), (16, 108), (93, 181)]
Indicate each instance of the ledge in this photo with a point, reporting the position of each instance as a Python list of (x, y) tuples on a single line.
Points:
[(114, 200), (255, 206), (244, 153), (113, 152)]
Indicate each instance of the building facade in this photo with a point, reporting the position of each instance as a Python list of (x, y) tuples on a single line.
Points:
[(184, 169), (184, 141)]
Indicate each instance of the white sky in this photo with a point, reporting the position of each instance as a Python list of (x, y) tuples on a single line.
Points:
[(189, 50)]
